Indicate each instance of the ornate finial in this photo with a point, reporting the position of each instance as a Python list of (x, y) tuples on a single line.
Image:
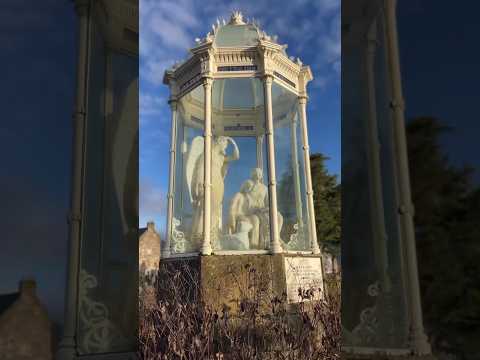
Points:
[(265, 36), (236, 18)]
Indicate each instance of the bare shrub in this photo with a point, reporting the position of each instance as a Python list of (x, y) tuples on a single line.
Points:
[(175, 323)]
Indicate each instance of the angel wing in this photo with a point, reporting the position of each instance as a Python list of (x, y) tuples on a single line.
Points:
[(196, 149)]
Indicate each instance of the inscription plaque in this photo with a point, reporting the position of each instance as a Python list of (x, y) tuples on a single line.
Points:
[(304, 273)]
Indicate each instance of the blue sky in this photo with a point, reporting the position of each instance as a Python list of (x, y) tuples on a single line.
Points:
[(311, 28)]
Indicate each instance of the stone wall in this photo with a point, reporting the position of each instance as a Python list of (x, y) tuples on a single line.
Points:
[(149, 249), (25, 328)]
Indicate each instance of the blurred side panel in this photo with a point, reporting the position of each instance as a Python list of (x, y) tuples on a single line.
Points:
[(102, 290), (380, 298)]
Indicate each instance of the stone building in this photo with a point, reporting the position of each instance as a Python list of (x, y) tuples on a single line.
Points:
[(149, 249), (25, 328)]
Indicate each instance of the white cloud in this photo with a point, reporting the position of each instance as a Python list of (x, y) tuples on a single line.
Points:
[(170, 33), (154, 69), (337, 66), (328, 6), (166, 32), (320, 82), (152, 199), (151, 104)]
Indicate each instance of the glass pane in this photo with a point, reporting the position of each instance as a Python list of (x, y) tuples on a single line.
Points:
[(290, 172), (395, 323), (240, 211), (108, 283), (187, 226), (358, 262), (238, 94), (237, 35), (374, 310)]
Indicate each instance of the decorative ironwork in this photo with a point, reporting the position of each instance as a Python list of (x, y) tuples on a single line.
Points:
[(99, 333), (280, 76), (178, 243), (366, 332), (238, 68), (294, 237), (190, 81)]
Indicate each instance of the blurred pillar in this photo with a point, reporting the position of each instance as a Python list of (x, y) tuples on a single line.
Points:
[(67, 346), (418, 338)]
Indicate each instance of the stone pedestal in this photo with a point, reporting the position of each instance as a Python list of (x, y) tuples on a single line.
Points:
[(223, 281)]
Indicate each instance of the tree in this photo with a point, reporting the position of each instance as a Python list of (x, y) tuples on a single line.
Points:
[(326, 197), (446, 221)]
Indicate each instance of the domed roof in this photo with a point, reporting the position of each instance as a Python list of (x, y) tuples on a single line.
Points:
[(237, 33)]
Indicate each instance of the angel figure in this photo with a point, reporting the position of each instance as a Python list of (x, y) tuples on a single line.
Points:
[(195, 181)]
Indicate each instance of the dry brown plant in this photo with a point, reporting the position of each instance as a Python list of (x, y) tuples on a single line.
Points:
[(176, 324)]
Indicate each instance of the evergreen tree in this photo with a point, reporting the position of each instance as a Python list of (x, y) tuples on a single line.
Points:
[(327, 195), (286, 192), (447, 210)]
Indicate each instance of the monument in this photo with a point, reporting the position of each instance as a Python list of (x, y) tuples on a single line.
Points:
[(240, 188)]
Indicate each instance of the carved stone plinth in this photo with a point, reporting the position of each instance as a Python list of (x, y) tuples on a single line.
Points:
[(227, 280)]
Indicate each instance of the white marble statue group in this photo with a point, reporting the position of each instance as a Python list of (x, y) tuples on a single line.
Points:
[(248, 218), (248, 222)]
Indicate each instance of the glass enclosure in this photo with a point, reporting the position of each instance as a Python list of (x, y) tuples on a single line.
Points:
[(240, 207), (240, 215), (290, 171), (374, 305), (108, 282), (187, 225)]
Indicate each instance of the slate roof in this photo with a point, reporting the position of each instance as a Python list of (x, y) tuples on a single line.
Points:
[(7, 300)]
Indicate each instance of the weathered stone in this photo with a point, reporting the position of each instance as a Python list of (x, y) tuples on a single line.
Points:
[(149, 249), (225, 280), (25, 328)]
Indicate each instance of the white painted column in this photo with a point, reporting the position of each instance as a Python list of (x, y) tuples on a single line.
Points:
[(374, 168), (206, 248), (275, 246), (302, 101), (165, 251), (260, 152), (419, 341), (67, 346), (296, 172)]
